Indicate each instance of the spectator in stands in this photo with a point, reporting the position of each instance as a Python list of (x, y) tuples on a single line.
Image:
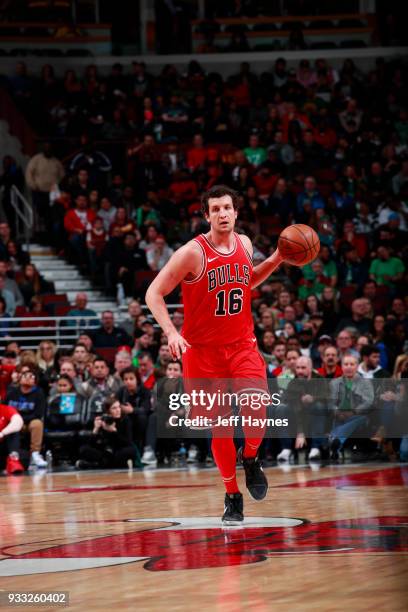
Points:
[(47, 361), (309, 198), (285, 372), (352, 398), (32, 283), (254, 153), (197, 155), (96, 239), (159, 254), (11, 424), (162, 361), (351, 117), (146, 370), (134, 311), (136, 402), (8, 299), (123, 360), (386, 270), (10, 284), (101, 383), (370, 365), (64, 392), (122, 223), (80, 309), (308, 402), (93, 160), (76, 223), (130, 259), (81, 360), (330, 363), (344, 344), (358, 319), (30, 402), (108, 335), (350, 237), (107, 212), (44, 171), (5, 237), (351, 270), (111, 445), (67, 370), (175, 117), (400, 180)]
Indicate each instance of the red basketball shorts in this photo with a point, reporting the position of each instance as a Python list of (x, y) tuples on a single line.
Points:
[(222, 374)]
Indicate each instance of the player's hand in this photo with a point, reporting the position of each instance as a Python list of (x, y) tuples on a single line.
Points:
[(177, 345)]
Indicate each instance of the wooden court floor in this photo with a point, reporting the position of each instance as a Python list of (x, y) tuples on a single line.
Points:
[(331, 539)]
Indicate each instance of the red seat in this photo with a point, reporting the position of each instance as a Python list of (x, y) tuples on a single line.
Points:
[(62, 310), (21, 311), (143, 278), (54, 298), (107, 353), (347, 295)]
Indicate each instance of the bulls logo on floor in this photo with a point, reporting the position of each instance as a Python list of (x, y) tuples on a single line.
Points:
[(196, 543)]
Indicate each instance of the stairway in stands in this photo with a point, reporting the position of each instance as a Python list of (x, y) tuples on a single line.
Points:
[(67, 278)]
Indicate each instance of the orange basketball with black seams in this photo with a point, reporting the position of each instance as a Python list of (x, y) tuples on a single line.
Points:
[(299, 244)]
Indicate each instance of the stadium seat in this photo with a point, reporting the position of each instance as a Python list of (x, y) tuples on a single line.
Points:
[(324, 44), (264, 27), (323, 24), (54, 298), (353, 44), (347, 295), (143, 278), (351, 23), (20, 311), (237, 28), (107, 353), (78, 53)]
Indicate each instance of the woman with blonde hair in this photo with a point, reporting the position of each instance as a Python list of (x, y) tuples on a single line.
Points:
[(400, 367), (46, 355)]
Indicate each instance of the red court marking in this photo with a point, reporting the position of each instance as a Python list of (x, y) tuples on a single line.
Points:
[(181, 549), (387, 477), (126, 488)]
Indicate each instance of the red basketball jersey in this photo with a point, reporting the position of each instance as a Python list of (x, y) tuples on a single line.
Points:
[(217, 303)]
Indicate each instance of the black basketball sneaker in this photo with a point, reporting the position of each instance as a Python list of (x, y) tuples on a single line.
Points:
[(233, 509), (255, 478)]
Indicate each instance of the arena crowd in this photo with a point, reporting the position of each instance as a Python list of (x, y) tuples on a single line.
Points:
[(117, 183)]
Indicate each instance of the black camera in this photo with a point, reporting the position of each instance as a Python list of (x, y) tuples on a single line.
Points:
[(109, 420)]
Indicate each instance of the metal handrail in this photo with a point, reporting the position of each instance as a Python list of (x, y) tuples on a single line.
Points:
[(26, 215), (57, 331)]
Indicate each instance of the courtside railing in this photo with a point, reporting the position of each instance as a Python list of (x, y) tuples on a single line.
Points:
[(30, 331)]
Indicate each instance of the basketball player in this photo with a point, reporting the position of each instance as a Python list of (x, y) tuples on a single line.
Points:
[(217, 340)]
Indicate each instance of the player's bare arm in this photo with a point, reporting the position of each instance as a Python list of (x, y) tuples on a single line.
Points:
[(187, 263), (263, 270)]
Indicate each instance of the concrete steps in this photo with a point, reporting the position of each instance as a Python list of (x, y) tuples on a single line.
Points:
[(67, 279)]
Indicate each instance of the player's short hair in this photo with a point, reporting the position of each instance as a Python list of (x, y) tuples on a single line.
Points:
[(218, 191)]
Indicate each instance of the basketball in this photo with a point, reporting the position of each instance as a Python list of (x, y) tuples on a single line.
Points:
[(299, 244)]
